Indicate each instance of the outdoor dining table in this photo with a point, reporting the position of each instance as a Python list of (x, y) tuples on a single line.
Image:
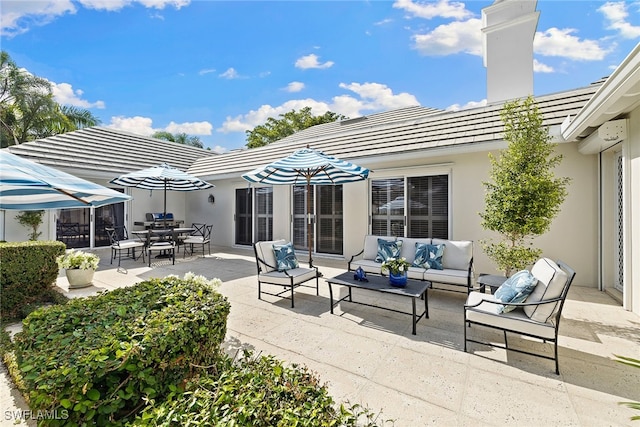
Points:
[(167, 234)]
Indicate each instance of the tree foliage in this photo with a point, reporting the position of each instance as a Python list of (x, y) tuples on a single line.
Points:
[(523, 195), (288, 124), (28, 110), (180, 138)]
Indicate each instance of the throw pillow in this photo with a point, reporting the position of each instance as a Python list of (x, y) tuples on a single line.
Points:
[(285, 257), (388, 249), (515, 289), (428, 256)]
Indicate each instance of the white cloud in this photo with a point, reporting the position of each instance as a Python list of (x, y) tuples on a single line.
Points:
[(64, 94), (429, 10), (452, 38), (373, 97), (230, 74), (311, 61), (294, 87), (138, 125), (539, 67), (17, 17), (190, 128), (616, 14), (144, 126), (206, 71), (467, 106), (562, 42)]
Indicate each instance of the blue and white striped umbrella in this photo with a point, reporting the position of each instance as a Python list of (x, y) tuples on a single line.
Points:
[(27, 185), (310, 167), (162, 177)]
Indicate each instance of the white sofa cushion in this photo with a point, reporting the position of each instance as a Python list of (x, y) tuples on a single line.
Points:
[(457, 253), (447, 275), (551, 281), (409, 247), (515, 320), (265, 252), (368, 265), (371, 245)]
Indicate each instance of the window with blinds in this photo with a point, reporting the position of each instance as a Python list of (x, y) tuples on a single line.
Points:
[(263, 224), (243, 216), (254, 215), (423, 202)]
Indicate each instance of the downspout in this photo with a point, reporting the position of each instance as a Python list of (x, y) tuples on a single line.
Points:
[(600, 226)]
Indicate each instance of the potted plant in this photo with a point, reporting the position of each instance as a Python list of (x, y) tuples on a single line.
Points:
[(79, 267), (398, 268)]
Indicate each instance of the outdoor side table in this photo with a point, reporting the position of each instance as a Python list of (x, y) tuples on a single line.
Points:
[(493, 281)]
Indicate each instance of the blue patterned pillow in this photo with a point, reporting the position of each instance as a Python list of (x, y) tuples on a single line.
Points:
[(285, 257), (515, 289), (428, 256), (388, 249)]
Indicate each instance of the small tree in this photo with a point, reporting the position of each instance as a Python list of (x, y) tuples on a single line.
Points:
[(523, 195), (31, 219)]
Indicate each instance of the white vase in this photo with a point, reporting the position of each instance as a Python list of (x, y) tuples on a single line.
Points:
[(79, 278)]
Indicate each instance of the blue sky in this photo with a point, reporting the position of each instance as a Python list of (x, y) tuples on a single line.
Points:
[(218, 68)]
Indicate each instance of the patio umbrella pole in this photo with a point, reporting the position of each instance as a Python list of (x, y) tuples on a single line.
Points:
[(309, 219)]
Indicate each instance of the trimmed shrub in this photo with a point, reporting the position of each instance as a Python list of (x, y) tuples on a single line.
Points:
[(28, 271), (100, 359), (254, 391)]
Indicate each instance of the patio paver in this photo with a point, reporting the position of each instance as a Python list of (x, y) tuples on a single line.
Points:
[(369, 356)]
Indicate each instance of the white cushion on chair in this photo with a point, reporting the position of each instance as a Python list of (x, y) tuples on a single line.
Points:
[(265, 252), (281, 278), (551, 281), (516, 320)]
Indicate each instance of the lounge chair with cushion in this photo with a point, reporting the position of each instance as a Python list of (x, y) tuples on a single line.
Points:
[(538, 316), (284, 271)]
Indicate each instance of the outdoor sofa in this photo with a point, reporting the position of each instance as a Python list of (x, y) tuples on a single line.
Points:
[(457, 261)]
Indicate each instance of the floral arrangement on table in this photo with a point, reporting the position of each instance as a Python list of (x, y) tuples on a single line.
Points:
[(396, 265), (78, 260)]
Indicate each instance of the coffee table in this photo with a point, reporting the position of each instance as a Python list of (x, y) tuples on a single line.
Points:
[(414, 289)]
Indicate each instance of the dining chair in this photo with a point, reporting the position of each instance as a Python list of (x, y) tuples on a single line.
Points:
[(161, 241), (201, 236), (120, 241)]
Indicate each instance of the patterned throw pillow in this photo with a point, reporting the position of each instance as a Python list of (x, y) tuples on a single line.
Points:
[(515, 289), (388, 249), (285, 257), (428, 256)]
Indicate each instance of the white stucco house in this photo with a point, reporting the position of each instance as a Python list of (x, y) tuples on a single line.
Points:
[(427, 168)]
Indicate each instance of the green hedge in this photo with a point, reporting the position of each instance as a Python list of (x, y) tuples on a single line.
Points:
[(28, 271), (98, 360), (255, 391)]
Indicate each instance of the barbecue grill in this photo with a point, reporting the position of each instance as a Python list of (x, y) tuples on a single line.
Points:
[(156, 220)]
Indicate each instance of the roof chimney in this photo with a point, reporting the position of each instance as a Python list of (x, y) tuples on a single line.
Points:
[(508, 28)]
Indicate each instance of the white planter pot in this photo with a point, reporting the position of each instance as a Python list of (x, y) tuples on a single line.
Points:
[(79, 278)]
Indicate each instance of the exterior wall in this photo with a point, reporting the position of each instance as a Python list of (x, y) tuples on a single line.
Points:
[(573, 236), (632, 233)]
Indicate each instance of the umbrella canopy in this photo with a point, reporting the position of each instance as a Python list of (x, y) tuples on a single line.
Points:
[(162, 177), (26, 185), (311, 167)]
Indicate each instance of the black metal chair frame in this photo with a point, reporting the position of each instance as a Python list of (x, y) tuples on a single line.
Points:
[(202, 231), (161, 243), (290, 287), (556, 321), (122, 242)]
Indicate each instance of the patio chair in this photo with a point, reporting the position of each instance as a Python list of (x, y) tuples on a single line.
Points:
[(161, 241), (119, 239), (289, 279), (69, 233), (537, 317), (201, 236)]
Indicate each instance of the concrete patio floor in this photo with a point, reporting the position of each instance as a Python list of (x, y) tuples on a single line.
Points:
[(369, 356)]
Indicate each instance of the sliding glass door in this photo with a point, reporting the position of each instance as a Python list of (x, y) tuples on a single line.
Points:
[(254, 215), (411, 206), (327, 219)]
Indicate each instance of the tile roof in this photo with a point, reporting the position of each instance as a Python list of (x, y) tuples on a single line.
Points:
[(405, 130), (101, 152)]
